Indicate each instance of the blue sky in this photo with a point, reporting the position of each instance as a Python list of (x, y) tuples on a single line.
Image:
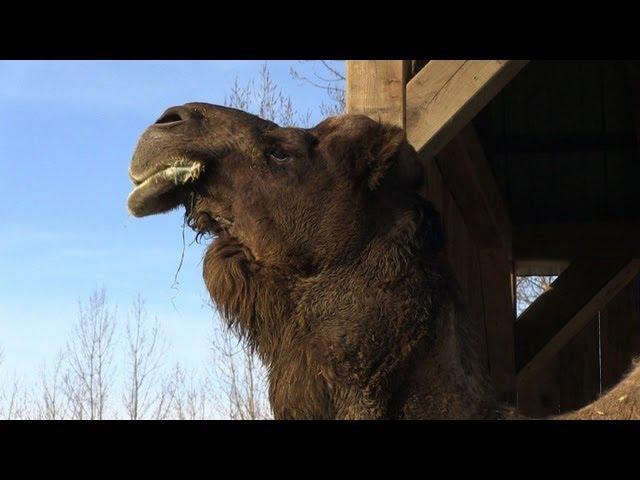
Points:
[(67, 132)]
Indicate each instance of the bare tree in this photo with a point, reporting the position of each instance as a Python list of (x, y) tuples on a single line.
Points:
[(145, 352), (528, 288), (17, 402), (189, 394), (52, 404), (2, 392), (164, 403), (326, 75), (79, 383), (89, 358), (266, 99), (241, 392)]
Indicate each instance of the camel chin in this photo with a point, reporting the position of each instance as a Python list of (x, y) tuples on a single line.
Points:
[(161, 192)]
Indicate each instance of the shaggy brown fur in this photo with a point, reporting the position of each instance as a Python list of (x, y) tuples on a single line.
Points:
[(326, 261)]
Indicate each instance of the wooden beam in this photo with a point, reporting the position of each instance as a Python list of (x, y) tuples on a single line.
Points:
[(445, 95), (467, 175), (499, 318), (562, 143), (620, 334), (578, 294), (376, 88), (566, 241), (633, 68), (442, 99)]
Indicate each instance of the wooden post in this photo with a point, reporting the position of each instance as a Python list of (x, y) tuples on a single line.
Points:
[(442, 99), (499, 317), (376, 88), (467, 175)]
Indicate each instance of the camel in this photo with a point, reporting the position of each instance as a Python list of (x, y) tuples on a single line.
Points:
[(327, 261)]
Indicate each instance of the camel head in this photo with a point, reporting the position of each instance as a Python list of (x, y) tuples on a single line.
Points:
[(305, 196)]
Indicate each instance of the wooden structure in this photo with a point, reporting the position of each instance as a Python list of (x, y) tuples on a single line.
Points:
[(535, 169)]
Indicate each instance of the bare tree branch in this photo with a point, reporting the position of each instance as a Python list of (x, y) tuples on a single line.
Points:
[(16, 401), (190, 395), (89, 357), (529, 288), (266, 99), (144, 354), (331, 81), (79, 383), (52, 402), (240, 376)]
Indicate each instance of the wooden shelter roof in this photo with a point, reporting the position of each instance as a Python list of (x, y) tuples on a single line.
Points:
[(535, 169), (561, 139)]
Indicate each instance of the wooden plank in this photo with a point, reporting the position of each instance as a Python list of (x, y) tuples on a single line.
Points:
[(571, 381), (478, 284), (618, 97), (562, 143), (559, 314), (623, 167), (581, 188), (490, 127), (475, 299), (499, 314), (620, 333), (578, 369), (579, 175), (480, 252), (487, 185), (445, 95), (433, 188), (486, 282), (567, 241), (531, 187), (623, 194), (376, 88), (633, 68), (468, 177), (540, 397), (460, 252), (553, 112), (458, 243), (530, 176)]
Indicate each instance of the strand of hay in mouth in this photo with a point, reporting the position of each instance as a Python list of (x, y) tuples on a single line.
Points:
[(143, 200), (185, 173)]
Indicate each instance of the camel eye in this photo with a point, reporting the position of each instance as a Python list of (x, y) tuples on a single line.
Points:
[(279, 156)]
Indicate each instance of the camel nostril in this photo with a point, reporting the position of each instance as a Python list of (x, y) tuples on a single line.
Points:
[(173, 115)]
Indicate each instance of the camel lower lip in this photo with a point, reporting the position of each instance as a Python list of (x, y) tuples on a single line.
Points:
[(145, 199)]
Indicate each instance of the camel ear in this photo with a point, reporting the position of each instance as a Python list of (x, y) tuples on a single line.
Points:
[(391, 157), (378, 151), (385, 147)]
